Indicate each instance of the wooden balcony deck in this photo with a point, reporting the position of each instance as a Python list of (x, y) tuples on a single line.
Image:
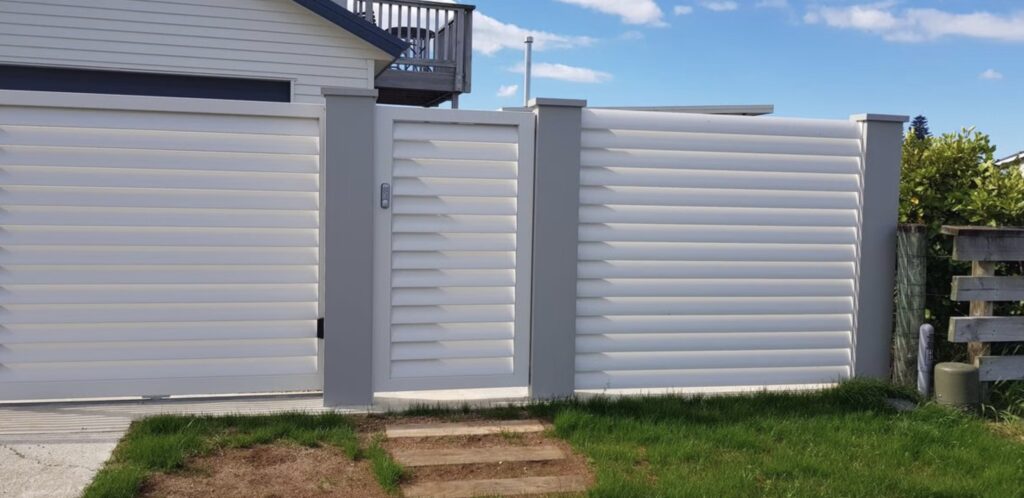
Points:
[(437, 66)]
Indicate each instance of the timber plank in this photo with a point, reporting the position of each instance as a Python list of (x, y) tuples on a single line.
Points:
[(987, 329), (988, 244), (996, 368), (460, 456), (988, 288), (463, 429), (498, 487)]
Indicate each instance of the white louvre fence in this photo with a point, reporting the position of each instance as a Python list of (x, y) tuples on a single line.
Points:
[(157, 246), (716, 251), (153, 246)]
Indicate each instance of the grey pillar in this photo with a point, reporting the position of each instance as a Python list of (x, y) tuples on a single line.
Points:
[(347, 220), (882, 137), (556, 198)]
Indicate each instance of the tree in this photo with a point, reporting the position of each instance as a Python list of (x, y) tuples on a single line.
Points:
[(919, 126), (953, 180)]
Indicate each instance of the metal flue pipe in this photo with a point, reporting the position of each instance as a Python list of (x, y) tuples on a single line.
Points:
[(527, 71)]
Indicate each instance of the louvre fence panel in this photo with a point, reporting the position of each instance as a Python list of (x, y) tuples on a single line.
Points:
[(157, 246), (454, 293), (716, 251)]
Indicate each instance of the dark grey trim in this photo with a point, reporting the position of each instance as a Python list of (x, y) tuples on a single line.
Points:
[(348, 207), (356, 25), (556, 197)]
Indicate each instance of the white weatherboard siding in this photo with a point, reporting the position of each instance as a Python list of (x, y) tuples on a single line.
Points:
[(454, 296), (157, 246), (266, 39), (716, 251)]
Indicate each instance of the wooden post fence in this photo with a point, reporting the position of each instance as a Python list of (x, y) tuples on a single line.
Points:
[(911, 254), (984, 247)]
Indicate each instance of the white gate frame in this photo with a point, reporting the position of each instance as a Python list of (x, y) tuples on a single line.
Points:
[(383, 153)]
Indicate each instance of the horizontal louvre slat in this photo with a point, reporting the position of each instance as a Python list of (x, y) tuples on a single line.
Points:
[(661, 196), (187, 179), (726, 322), (451, 367), (452, 278), (157, 198), (157, 274), (435, 168), (713, 287), (714, 269), (664, 251), (407, 223), (140, 120), (156, 160), (452, 295), (492, 260), (156, 313), (151, 369), (702, 342), (726, 161), (446, 132), (452, 332), (723, 377), (157, 217), (151, 331), (712, 306), (718, 142), (141, 294), (179, 350), (626, 232), (685, 122), (454, 187), (752, 180), (451, 349), (125, 255), (452, 314), (672, 215), (454, 205), (679, 360), (166, 236), (453, 242), (52, 136), (455, 150)]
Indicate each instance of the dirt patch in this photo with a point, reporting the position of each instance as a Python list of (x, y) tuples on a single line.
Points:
[(277, 470)]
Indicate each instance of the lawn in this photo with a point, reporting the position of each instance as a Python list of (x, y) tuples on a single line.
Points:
[(845, 441)]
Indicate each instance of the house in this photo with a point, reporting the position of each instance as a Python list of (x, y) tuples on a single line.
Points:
[(414, 53), (1017, 158)]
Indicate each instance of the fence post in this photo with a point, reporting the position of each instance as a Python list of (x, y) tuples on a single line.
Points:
[(911, 252), (347, 207), (881, 147), (556, 198)]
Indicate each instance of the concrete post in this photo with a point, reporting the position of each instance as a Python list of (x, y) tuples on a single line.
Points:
[(348, 203), (882, 142), (555, 239)]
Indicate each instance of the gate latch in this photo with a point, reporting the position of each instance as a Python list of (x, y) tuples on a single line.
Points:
[(385, 195)]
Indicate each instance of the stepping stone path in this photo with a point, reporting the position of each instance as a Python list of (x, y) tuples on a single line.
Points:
[(441, 447)]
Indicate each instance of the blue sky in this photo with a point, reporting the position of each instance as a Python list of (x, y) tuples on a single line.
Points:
[(959, 62)]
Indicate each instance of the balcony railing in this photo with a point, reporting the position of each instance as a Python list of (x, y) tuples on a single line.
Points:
[(439, 36)]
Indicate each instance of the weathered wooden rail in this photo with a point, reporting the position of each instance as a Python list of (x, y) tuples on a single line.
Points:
[(985, 247)]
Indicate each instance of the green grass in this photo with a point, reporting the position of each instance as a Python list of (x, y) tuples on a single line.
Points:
[(163, 443), (843, 442), (386, 470)]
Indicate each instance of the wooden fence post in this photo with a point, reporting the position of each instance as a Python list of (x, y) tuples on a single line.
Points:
[(911, 254)]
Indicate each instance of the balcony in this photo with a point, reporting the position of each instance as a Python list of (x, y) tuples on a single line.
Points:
[(436, 68)]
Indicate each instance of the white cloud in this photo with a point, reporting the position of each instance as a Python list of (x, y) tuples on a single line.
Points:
[(918, 25), (508, 90), (991, 74), (682, 10), (772, 4), (630, 11), (632, 35), (563, 72), (491, 36), (720, 5)]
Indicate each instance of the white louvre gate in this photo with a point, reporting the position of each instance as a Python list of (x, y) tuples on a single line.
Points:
[(716, 251), (452, 290), (157, 246)]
